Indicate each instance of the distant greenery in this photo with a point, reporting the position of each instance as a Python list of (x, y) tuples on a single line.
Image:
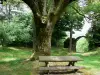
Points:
[(59, 51), (82, 45), (58, 33), (18, 31), (69, 22)]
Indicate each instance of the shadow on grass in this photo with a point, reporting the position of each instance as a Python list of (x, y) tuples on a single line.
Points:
[(17, 61), (11, 62), (15, 67), (59, 51)]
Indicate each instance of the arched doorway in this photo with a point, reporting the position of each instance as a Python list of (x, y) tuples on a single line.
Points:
[(82, 45)]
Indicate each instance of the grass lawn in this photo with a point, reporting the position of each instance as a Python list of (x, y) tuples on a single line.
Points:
[(91, 59), (11, 60)]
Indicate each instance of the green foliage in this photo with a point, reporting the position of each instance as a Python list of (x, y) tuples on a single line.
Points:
[(70, 20), (82, 45), (16, 26), (19, 30), (3, 35), (93, 5), (94, 33), (58, 33)]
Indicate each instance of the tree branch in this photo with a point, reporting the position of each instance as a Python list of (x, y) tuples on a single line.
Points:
[(44, 7), (56, 2), (78, 11), (62, 5), (35, 6), (81, 14)]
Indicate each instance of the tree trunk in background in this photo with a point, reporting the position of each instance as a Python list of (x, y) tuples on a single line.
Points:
[(70, 43), (3, 43)]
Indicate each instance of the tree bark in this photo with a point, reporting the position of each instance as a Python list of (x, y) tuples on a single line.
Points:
[(43, 40), (42, 45)]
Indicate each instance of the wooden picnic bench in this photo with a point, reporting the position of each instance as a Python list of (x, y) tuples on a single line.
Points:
[(62, 68)]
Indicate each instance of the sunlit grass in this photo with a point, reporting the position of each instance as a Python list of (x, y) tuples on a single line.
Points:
[(91, 60), (11, 60), (10, 53)]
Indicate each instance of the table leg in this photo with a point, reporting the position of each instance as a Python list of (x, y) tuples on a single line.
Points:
[(71, 63), (46, 64)]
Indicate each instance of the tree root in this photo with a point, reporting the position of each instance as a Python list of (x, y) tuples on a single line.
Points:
[(32, 58)]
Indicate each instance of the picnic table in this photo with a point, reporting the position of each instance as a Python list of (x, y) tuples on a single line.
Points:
[(71, 60)]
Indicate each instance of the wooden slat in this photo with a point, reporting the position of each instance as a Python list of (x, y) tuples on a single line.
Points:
[(59, 58), (68, 74), (60, 68), (56, 74)]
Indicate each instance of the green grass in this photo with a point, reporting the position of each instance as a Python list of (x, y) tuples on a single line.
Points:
[(11, 60), (91, 60), (59, 51)]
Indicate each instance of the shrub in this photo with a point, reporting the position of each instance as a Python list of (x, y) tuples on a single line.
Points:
[(82, 45)]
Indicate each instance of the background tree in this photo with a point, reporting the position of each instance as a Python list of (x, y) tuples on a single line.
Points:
[(17, 25), (19, 30), (93, 34), (3, 36), (70, 21), (58, 33)]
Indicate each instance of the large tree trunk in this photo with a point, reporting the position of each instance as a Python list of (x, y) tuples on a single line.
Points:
[(42, 42), (45, 16)]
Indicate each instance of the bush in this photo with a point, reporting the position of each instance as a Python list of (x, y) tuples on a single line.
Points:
[(82, 45)]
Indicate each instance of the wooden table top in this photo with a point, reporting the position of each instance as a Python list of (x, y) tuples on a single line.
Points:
[(59, 58)]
